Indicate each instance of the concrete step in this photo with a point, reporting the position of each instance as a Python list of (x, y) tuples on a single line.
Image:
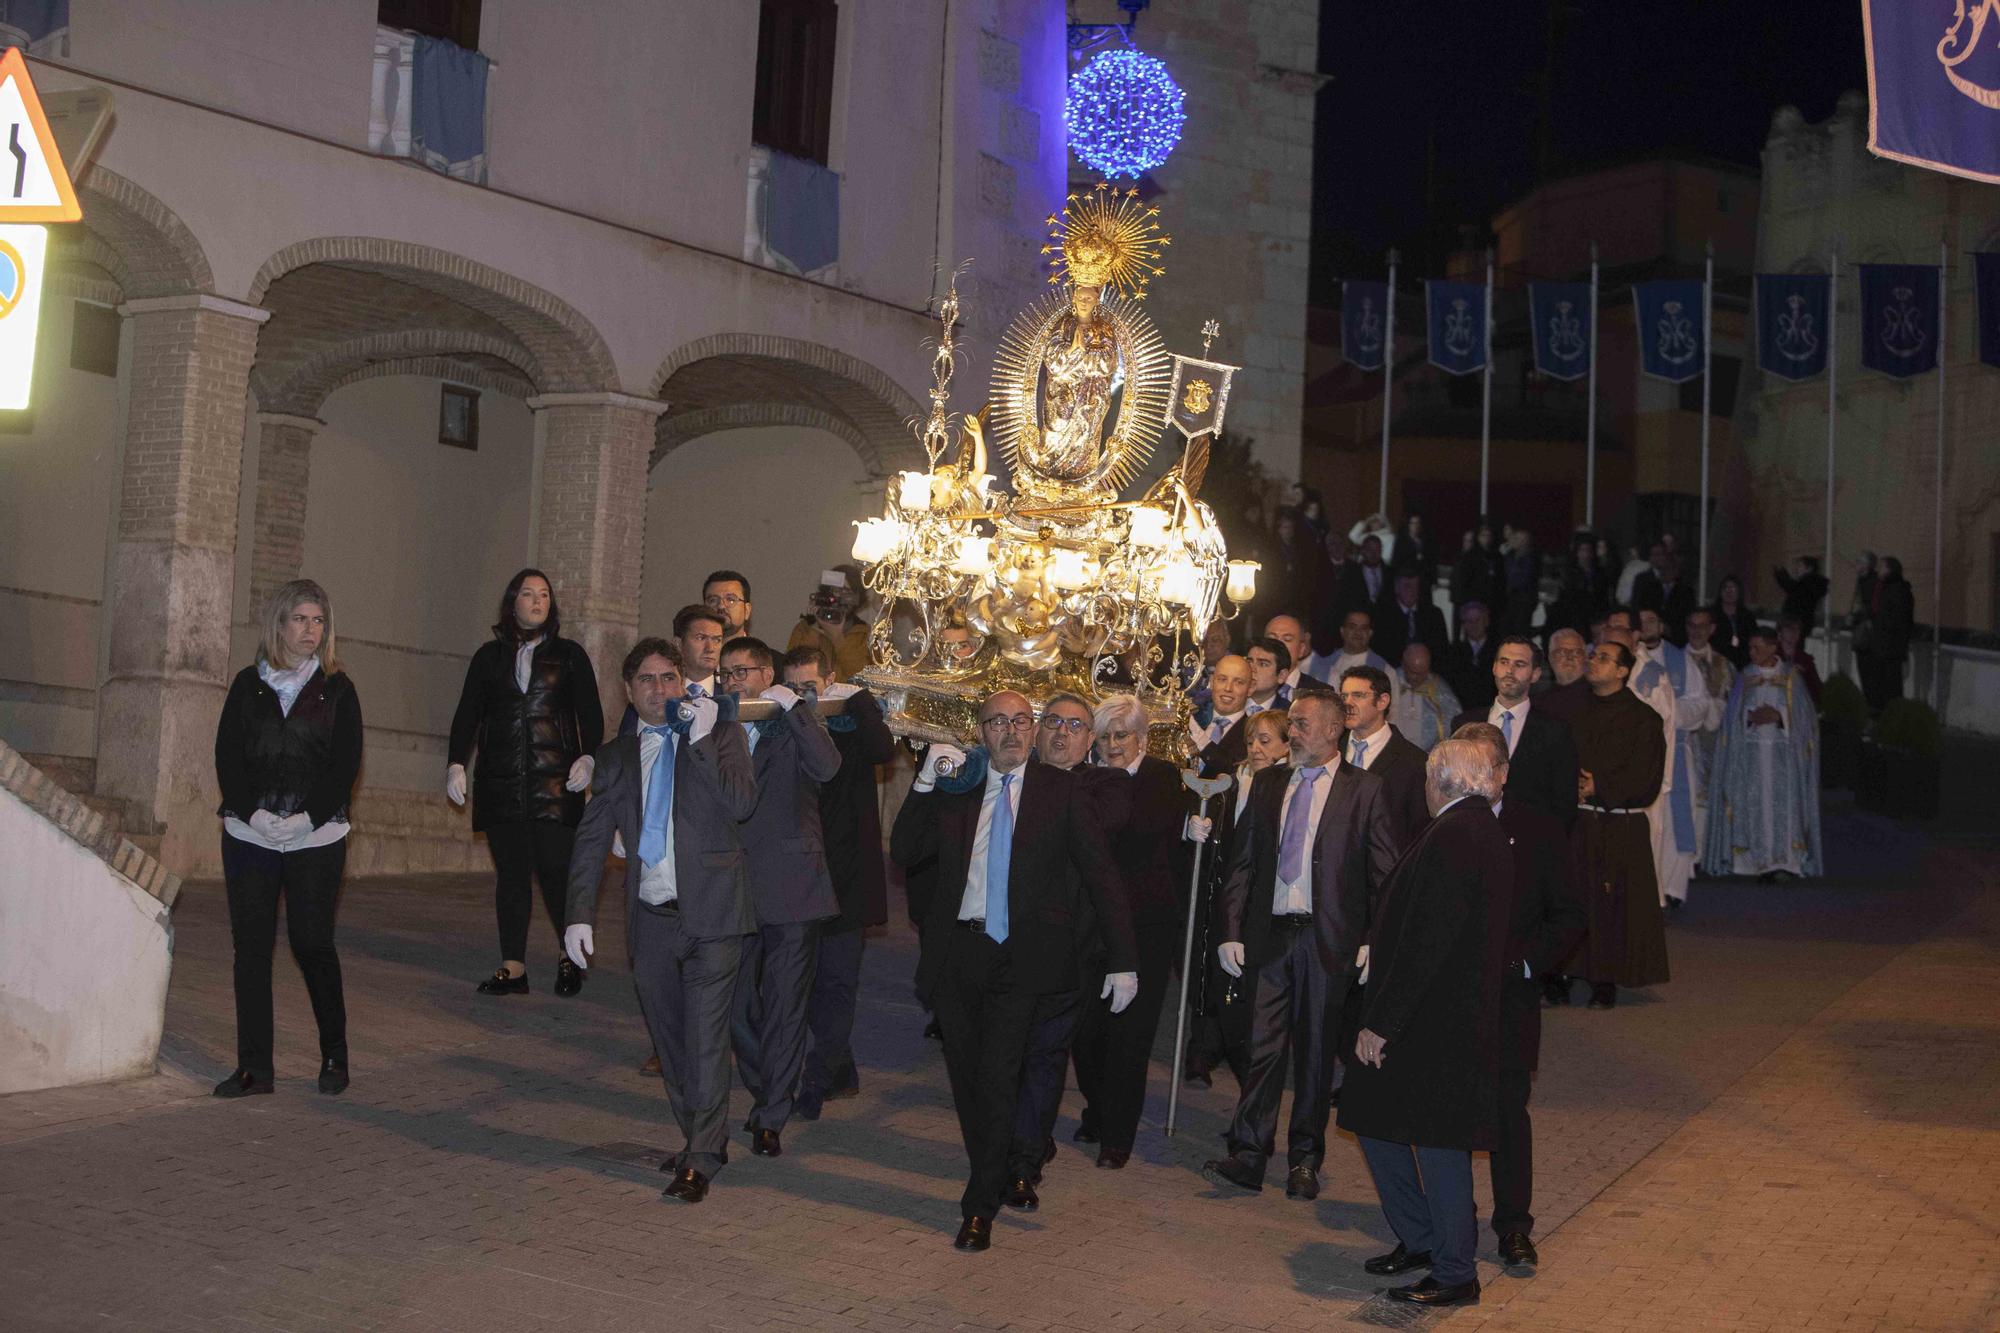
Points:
[(75, 774)]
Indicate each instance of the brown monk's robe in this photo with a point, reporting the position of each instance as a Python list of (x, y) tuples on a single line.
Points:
[(1620, 743)]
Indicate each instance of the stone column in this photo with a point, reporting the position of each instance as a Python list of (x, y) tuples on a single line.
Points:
[(278, 523), (173, 568), (592, 537)]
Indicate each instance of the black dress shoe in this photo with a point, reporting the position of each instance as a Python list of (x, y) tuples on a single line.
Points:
[(808, 1105), (933, 1031), (1431, 1292), (1113, 1159), (243, 1083), (1198, 1078), (1603, 995), (502, 984), (333, 1077), (1233, 1171), (1555, 990), (1021, 1194), (1517, 1251), (690, 1186), (569, 978), (764, 1143), (1302, 1183), (1398, 1260), (976, 1234), (1086, 1131)]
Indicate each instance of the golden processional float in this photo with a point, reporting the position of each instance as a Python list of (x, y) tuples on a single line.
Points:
[(1059, 579)]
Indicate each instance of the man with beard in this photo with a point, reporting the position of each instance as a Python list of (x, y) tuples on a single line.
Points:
[(1567, 654)]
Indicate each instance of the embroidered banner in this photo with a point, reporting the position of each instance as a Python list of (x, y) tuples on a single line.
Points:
[(1458, 325), (1899, 318), (1934, 84), (1669, 322), (1986, 277), (1363, 307), (1792, 323), (1561, 314)]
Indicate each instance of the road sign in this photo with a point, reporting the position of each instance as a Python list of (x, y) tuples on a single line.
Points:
[(23, 252), (34, 187)]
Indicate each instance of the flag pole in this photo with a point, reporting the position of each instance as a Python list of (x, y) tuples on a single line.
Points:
[(1590, 409), (1832, 375), (1388, 385), (1707, 383), (1486, 391), (1937, 494)]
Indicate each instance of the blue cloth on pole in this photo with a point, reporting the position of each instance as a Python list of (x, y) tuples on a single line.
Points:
[(448, 108), (1669, 325), (1986, 280), (1899, 318), (1561, 314), (1934, 84), (1792, 323), (1363, 322), (1458, 325), (802, 212)]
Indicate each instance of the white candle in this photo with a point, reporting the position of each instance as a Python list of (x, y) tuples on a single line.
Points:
[(1242, 584), (914, 490)]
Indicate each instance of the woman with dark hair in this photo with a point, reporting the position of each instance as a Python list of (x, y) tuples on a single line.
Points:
[(530, 709), (1882, 644), (1413, 551), (287, 751), (1733, 622)]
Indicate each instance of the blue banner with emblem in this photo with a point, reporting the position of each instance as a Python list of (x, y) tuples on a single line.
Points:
[(1934, 84), (1458, 325), (1899, 318), (1986, 278), (1561, 314), (1669, 325), (1363, 322), (1792, 323)]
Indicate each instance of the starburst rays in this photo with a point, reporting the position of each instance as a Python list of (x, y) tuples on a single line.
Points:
[(1106, 238)]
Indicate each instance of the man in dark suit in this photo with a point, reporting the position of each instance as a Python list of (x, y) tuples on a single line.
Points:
[(1407, 617), (672, 796), (1664, 589), (1316, 846), (1372, 743), (1541, 769), (1217, 730), (1544, 922), (850, 824), (1022, 868), (1468, 666), (789, 886), (1422, 1094)]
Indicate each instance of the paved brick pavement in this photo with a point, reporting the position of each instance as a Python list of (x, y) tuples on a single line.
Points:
[(1800, 1131)]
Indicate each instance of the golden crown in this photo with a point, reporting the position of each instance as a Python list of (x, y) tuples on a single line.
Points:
[(1106, 238)]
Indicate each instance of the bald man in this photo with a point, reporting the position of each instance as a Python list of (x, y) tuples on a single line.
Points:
[(1216, 729)]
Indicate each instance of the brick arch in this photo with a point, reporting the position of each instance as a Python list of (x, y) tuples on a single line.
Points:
[(139, 241), (443, 368), (566, 350), (734, 381), (301, 387)]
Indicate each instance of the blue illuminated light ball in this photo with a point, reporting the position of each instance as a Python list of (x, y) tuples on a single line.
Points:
[(1123, 113)]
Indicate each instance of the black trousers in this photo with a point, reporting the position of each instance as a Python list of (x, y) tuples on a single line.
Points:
[(522, 850), (985, 1016), (685, 987), (836, 986), (1295, 1022), (1513, 1161), (1881, 679), (767, 1025), (1114, 1052), (309, 882), (1044, 1074)]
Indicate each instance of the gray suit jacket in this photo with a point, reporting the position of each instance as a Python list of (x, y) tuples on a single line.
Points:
[(714, 792), (789, 880)]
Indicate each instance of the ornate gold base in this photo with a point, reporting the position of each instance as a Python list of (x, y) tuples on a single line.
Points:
[(927, 707)]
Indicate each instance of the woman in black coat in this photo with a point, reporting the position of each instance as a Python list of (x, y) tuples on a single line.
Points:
[(287, 752), (530, 709), (1733, 622)]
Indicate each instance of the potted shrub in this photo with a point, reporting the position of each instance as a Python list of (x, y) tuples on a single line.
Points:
[(1909, 744), (1843, 721)]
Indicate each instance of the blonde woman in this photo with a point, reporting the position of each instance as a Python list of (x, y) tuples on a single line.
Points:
[(287, 752)]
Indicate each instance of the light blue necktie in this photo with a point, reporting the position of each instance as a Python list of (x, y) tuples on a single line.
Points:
[(999, 853), (659, 800), (1292, 847), (1360, 752), (696, 692), (1217, 730), (1507, 729)]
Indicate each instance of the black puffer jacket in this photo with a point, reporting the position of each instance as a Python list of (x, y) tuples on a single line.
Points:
[(266, 759), (526, 741)]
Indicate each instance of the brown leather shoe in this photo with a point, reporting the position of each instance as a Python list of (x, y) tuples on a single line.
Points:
[(690, 1186), (765, 1143), (976, 1234), (652, 1065)]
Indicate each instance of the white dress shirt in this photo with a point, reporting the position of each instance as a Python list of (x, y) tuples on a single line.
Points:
[(1217, 729), (1297, 896), (656, 882), (703, 688), (1373, 747), (1513, 735), (972, 906)]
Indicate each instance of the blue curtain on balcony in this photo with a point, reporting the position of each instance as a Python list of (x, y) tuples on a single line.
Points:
[(802, 212), (46, 22), (448, 109)]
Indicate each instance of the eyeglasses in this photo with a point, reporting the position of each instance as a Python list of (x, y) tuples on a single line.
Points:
[(736, 673), (1072, 725), (1018, 722), (715, 601)]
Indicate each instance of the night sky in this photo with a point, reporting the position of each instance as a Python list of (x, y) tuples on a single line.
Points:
[(1441, 113)]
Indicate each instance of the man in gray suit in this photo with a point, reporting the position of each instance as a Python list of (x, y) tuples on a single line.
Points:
[(790, 888), (672, 797)]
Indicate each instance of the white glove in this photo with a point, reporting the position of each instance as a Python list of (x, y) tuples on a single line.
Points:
[(292, 829), (705, 714), (579, 944), (927, 776), (782, 697), (1230, 955), (267, 826), (580, 771), (454, 784), (1199, 827), (1120, 988)]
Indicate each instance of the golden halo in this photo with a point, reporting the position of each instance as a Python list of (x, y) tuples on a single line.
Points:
[(1106, 238)]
